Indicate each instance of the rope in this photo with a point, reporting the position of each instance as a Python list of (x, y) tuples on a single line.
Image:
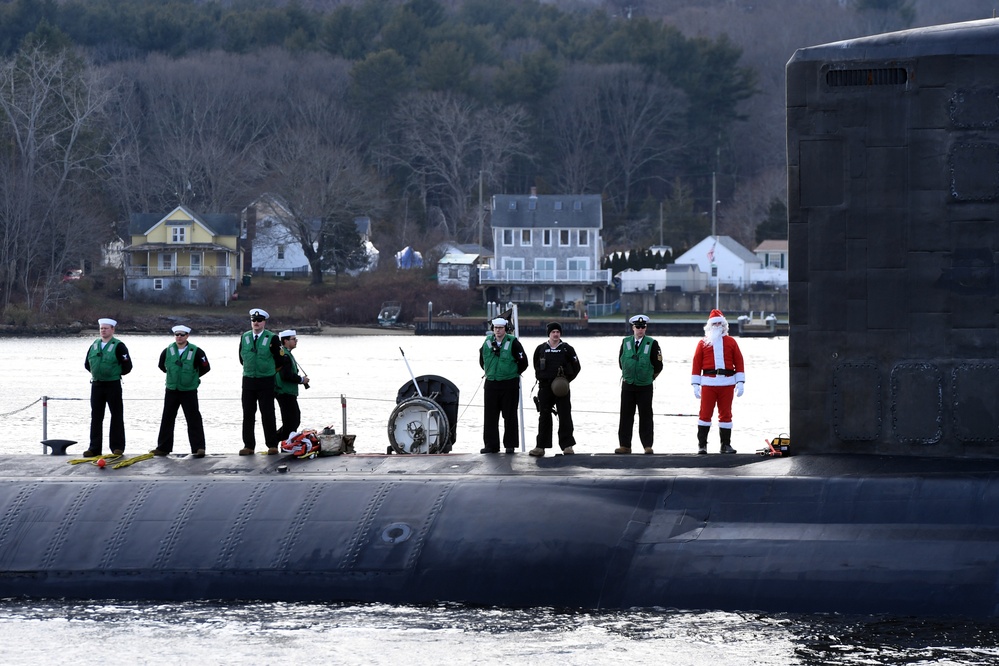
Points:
[(132, 461), (21, 409), (94, 459)]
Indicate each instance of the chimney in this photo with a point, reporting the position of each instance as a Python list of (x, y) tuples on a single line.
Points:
[(534, 192)]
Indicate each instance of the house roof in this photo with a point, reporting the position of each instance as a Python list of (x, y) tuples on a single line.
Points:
[(545, 211), (459, 259), (772, 246), (695, 254), (220, 224)]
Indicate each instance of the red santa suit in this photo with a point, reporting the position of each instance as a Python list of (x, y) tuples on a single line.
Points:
[(717, 369)]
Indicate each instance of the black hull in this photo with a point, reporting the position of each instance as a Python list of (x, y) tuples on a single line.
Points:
[(809, 534)]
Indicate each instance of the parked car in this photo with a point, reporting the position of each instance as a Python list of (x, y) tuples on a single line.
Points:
[(72, 275)]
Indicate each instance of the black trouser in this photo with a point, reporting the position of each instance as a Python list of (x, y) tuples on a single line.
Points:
[(545, 401), (291, 415), (101, 394), (172, 401), (631, 397), (259, 391), (501, 397)]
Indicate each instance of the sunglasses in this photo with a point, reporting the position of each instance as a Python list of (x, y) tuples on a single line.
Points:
[(639, 325), (257, 319), (180, 335)]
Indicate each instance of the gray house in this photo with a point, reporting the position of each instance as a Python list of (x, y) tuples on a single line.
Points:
[(547, 249)]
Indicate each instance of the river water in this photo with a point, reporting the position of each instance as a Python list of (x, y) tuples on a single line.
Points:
[(368, 371)]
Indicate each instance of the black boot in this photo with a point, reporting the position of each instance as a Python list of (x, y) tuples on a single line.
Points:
[(702, 439), (726, 440)]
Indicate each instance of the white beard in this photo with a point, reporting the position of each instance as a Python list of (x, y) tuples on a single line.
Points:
[(714, 336)]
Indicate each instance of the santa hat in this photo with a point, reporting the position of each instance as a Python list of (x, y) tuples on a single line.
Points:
[(716, 317)]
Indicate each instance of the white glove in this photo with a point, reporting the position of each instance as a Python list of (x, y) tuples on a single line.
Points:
[(697, 391), (738, 389)]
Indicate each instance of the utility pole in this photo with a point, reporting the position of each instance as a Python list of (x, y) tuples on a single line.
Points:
[(480, 208), (660, 224)]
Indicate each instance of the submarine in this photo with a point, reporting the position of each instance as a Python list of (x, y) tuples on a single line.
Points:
[(889, 503)]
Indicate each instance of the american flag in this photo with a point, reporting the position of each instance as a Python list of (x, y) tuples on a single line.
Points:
[(711, 252)]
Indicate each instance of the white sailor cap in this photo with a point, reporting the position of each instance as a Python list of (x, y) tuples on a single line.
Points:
[(499, 321), (287, 333), (257, 312), (106, 321), (180, 328), (640, 319)]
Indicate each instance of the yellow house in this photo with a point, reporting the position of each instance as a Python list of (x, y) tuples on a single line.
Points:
[(182, 257)]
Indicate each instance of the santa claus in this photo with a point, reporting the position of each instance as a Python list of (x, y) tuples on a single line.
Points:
[(718, 373)]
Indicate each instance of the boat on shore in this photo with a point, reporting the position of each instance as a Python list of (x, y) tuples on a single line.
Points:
[(389, 313)]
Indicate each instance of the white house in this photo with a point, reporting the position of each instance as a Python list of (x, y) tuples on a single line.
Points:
[(733, 262), (675, 277), (773, 255)]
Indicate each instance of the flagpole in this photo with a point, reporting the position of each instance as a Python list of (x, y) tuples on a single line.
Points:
[(714, 236)]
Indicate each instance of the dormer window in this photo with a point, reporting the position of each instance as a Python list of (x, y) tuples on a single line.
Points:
[(532, 204), (178, 234), (577, 205), (558, 205)]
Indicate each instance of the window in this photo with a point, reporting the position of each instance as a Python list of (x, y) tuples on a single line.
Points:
[(166, 261), (545, 269), (513, 263), (532, 204), (452, 272), (192, 284), (280, 252), (508, 237), (775, 260), (526, 237), (578, 267), (158, 284), (178, 234), (546, 237), (577, 205), (563, 237), (558, 205), (196, 263), (584, 237)]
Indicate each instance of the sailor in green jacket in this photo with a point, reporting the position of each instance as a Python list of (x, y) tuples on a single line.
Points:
[(286, 383), (184, 365), (259, 354), (503, 358), (107, 360), (641, 361)]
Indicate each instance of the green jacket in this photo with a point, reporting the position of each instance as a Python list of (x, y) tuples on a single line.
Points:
[(185, 376), (257, 361), (502, 366), (103, 363), (636, 364), (283, 386)]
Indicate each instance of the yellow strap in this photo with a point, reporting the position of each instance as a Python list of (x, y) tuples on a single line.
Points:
[(93, 460), (132, 461)]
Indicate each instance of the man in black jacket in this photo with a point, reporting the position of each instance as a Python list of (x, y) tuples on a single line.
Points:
[(554, 361)]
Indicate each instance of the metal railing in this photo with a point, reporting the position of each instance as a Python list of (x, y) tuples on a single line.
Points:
[(184, 271), (513, 276)]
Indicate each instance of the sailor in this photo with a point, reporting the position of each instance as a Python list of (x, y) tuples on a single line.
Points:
[(555, 365), (503, 358), (259, 354), (641, 361), (718, 372), (184, 364), (286, 383), (107, 360)]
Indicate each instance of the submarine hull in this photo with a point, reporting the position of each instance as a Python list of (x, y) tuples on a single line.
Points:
[(856, 534)]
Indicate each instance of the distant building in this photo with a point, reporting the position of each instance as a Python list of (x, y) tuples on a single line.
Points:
[(182, 257), (734, 264), (773, 255), (547, 249)]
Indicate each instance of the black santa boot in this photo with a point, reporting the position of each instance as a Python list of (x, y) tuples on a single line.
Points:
[(702, 439), (726, 440)]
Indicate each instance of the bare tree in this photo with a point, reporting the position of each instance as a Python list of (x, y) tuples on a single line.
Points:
[(444, 141), (324, 181), (642, 118), (573, 122), (51, 115)]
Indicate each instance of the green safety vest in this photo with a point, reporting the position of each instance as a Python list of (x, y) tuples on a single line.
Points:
[(636, 365), (259, 362), (183, 377), (502, 367), (104, 365), (280, 385)]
